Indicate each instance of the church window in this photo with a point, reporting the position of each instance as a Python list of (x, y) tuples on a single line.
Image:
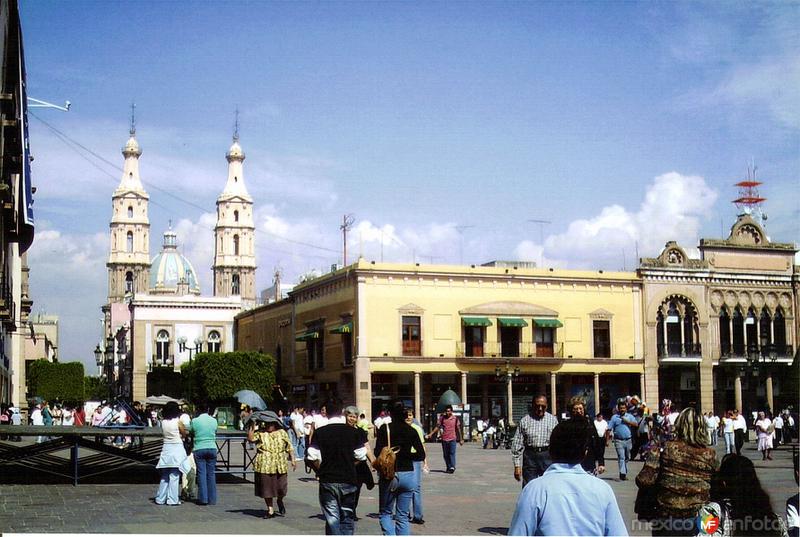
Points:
[(130, 211), (129, 282), (235, 216), (235, 284), (162, 348), (214, 341), (129, 245), (236, 245), (677, 330)]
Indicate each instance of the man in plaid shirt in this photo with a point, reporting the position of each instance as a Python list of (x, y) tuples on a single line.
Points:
[(531, 444)]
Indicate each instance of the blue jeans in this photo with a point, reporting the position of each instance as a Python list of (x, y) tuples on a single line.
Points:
[(416, 495), (623, 448), (299, 446), (338, 503), (169, 487), (449, 452), (206, 462), (729, 445), (395, 504)]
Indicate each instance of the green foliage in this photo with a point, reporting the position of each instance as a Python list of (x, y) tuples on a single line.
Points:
[(56, 381), (217, 376), (95, 388)]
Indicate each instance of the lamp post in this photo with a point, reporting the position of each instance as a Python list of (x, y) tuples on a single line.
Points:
[(109, 365), (760, 359), (509, 374), (198, 347)]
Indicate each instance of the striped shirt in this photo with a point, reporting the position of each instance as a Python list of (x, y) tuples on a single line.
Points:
[(532, 432)]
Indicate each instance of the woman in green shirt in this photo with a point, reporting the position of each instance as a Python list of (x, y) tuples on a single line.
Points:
[(204, 449)]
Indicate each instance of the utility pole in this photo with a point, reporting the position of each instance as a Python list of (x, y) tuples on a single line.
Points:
[(461, 229), (541, 236), (347, 224)]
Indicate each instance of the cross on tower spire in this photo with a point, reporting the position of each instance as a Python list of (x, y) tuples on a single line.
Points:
[(133, 119)]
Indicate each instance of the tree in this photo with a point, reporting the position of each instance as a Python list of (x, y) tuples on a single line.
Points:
[(217, 376), (95, 388), (56, 381)]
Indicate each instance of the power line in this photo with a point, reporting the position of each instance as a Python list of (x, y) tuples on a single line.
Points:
[(70, 142)]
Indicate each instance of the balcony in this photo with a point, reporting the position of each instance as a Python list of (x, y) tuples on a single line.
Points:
[(765, 352), (680, 350), (495, 349)]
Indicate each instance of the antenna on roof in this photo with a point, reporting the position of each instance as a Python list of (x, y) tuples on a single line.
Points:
[(749, 200), (236, 126)]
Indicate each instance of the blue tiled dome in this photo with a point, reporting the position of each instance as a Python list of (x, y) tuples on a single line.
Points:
[(170, 267)]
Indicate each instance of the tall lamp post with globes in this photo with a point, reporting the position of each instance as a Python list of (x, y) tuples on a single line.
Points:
[(198, 347), (509, 374)]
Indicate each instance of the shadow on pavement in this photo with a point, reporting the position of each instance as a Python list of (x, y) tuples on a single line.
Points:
[(493, 531), (257, 513)]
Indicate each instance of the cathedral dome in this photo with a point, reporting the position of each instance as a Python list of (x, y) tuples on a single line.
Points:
[(171, 272)]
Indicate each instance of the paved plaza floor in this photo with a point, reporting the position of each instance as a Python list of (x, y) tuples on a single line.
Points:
[(478, 499)]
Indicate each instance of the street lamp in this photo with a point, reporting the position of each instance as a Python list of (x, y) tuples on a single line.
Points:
[(198, 347), (109, 365), (509, 374), (98, 355)]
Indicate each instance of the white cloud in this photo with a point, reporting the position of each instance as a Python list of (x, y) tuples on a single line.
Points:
[(673, 208)]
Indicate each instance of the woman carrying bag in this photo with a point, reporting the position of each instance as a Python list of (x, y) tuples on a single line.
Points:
[(396, 491)]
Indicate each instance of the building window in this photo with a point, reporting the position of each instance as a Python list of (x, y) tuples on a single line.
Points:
[(474, 336), (129, 282), (601, 331), (314, 348), (544, 337), (162, 348), (214, 341), (677, 329), (235, 216), (412, 341), (236, 245), (724, 333), (235, 288), (130, 211), (738, 332), (129, 244)]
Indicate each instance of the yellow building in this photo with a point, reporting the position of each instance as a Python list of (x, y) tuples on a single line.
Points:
[(498, 335)]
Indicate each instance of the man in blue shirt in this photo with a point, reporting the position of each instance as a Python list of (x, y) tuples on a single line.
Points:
[(620, 424), (566, 500)]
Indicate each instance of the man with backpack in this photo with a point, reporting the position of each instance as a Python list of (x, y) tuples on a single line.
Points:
[(450, 426)]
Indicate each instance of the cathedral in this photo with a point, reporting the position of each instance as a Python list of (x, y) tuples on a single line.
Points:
[(157, 317)]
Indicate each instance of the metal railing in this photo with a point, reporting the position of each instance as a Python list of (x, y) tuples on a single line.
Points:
[(739, 350), (495, 349), (669, 350)]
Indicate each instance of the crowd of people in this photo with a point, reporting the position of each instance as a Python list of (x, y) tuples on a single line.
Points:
[(557, 461)]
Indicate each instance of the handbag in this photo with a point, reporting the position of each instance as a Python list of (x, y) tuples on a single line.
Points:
[(385, 463)]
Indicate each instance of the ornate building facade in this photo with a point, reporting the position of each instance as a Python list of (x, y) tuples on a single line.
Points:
[(717, 332), (156, 317)]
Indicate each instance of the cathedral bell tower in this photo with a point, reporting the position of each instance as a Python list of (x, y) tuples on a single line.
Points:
[(129, 255), (234, 235)]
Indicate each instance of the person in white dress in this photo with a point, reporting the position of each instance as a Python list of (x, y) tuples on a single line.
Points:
[(765, 431)]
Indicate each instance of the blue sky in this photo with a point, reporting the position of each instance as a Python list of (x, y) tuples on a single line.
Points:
[(624, 124)]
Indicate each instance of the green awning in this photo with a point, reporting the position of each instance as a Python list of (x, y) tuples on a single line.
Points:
[(305, 336), (511, 322), (476, 321), (344, 328), (547, 323)]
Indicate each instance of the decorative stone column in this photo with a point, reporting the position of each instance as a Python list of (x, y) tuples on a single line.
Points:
[(770, 400), (510, 398), (417, 396), (597, 394), (737, 392), (464, 387), (553, 392)]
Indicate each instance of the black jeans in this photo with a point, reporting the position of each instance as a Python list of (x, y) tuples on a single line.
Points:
[(738, 440), (534, 463)]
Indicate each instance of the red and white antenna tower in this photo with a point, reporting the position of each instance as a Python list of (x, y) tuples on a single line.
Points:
[(749, 200)]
